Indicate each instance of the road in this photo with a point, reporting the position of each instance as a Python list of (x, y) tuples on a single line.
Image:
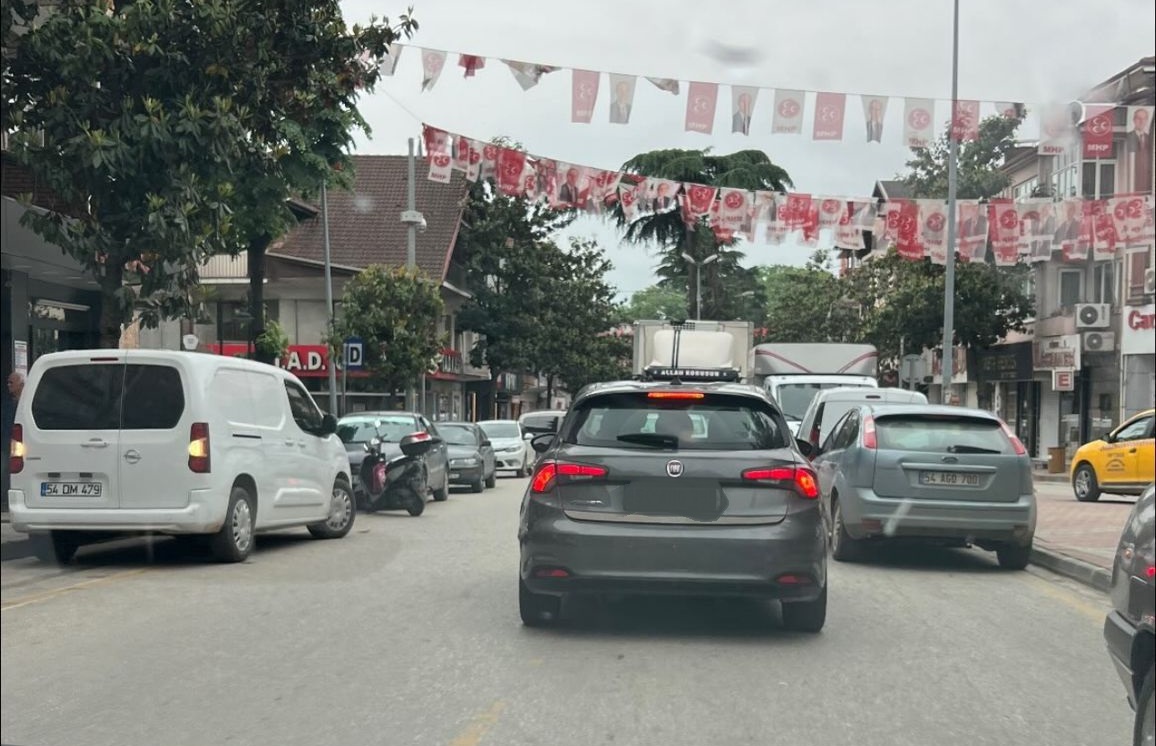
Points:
[(407, 632)]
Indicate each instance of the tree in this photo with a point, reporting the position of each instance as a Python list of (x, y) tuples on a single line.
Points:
[(657, 302), (171, 132), (978, 174), (396, 313), (806, 304), (746, 169)]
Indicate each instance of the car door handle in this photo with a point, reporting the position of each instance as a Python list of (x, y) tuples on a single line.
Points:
[(1132, 450), (95, 443), (132, 456)]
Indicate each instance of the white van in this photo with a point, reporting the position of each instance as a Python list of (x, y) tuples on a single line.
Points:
[(158, 441), (829, 405)]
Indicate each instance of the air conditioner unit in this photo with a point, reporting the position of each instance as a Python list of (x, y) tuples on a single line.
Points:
[(1093, 315), (1150, 282), (1099, 342)]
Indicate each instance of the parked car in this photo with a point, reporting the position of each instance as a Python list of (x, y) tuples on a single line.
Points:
[(1129, 630), (668, 488), (1122, 462), (831, 404), (355, 430), (471, 454), (132, 441), (511, 445), (947, 474)]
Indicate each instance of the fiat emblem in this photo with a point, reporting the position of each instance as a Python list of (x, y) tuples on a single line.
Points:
[(674, 468)]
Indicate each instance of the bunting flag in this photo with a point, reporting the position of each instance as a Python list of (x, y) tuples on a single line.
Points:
[(432, 62), (622, 97), (1031, 230)]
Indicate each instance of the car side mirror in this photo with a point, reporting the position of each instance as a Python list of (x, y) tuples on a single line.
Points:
[(527, 436), (541, 443), (486, 444), (807, 448), (328, 425)]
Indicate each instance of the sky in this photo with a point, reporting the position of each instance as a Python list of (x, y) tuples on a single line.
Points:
[(1010, 50)]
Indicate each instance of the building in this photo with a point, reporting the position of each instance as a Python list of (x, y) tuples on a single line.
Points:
[(364, 229)]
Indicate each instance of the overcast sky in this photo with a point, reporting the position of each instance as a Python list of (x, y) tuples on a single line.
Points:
[(1010, 50)]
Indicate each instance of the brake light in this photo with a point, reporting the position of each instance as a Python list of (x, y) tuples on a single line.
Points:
[(869, 439), (675, 395), (199, 462), (16, 450), (549, 471), (420, 436), (1150, 571), (1017, 444), (802, 479)]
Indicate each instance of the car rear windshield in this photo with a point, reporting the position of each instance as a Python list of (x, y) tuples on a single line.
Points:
[(941, 434), (363, 429), (458, 435), (715, 422), (501, 429), (109, 397)]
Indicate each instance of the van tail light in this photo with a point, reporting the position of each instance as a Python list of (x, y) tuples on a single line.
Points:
[(199, 462), (1017, 444), (16, 450), (549, 471), (802, 479), (870, 442)]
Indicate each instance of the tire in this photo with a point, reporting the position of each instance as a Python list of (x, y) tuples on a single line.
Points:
[(537, 609), (416, 505), (843, 547), (57, 547), (443, 494), (1014, 556), (1085, 484), (1144, 730), (806, 616), (478, 485), (234, 542), (492, 480), (342, 512)]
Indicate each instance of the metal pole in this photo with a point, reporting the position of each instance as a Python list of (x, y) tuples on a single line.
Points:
[(411, 245), (949, 271), (329, 299), (697, 291)]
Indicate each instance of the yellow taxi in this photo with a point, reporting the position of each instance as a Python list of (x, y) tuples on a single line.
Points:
[(1122, 462)]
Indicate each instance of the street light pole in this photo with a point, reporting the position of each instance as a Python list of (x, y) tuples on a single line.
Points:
[(698, 265), (411, 243), (329, 299), (948, 356)]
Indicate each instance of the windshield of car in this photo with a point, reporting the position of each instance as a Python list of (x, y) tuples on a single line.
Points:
[(714, 422), (362, 429), (941, 434), (795, 398), (457, 435), (495, 430)]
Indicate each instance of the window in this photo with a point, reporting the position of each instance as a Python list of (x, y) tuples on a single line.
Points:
[(459, 435), (1135, 430), (79, 397), (1098, 179), (305, 412), (941, 434), (1104, 283), (390, 428), (1137, 266), (232, 319), (1070, 287), (154, 397), (849, 432)]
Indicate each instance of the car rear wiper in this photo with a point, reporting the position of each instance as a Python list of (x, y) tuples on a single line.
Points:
[(970, 449), (656, 440)]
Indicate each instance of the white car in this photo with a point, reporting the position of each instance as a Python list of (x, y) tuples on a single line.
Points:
[(830, 404), (133, 441), (511, 446)]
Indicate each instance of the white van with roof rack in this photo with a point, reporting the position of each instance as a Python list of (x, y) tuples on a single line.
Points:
[(107, 442)]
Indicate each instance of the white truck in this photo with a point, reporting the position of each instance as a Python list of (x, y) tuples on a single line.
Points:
[(794, 373), (718, 350)]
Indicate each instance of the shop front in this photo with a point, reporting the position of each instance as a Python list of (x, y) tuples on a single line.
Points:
[(1138, 355), (963, 386), (1006, 385), (1063, 387)]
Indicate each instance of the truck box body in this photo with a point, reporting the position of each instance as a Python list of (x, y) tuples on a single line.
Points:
[(694, 345), (794, 373)]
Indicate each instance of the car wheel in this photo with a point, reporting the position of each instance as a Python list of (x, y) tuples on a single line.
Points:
[(1144, 732), (477, 485), (1013, 556), (1085, 484), (443, 493), (341, 514), (806, 616), (58, 547), (234, 542), (492, 480), (537, 609), (843, 547)]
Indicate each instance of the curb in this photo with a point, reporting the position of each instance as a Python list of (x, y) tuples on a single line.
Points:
[(18, 549), (1072, 568)]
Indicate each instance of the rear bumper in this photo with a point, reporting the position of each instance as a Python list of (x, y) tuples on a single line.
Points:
[(867, 515), (698, 559), (204, 514), (465, 474), (1120, 635)]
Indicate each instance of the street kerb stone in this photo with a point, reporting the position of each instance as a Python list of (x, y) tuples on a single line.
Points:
[(1072, 568)]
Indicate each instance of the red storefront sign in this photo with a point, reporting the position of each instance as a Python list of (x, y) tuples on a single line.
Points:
[(304, 361)]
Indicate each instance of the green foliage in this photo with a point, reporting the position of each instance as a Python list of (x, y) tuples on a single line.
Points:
[(395, 312), (657, 302), (806, 304), (273, 343), (173, 132), (977, 175)]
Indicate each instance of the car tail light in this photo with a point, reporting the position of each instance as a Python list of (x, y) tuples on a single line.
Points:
[(16, 450), (199, 462), (549, 471), (1017, 444), (869, 439), (1150, 571), (801, 478), (675, 395)]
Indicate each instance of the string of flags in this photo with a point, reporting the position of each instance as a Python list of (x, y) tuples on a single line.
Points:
[(1031, 230), (1060, 126)]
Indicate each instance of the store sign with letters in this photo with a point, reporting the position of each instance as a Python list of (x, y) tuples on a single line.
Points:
[(1138, 330), (1063, 380)]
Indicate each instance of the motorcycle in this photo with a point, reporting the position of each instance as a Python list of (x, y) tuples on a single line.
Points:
[(397, 483)]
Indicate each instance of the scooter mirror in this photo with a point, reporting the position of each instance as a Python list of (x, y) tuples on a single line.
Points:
[(375, 442)]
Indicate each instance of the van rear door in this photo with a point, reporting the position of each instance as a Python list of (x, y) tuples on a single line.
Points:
[(72, 433), (154, 437)]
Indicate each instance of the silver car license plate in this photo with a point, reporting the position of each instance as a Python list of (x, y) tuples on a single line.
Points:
[(71, 489), (948, 479)]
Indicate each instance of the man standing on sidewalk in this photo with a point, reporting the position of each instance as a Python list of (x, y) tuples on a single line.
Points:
[(15, 388)]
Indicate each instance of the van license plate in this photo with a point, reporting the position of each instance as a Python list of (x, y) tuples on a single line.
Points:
[(71, 489), (948, 479)]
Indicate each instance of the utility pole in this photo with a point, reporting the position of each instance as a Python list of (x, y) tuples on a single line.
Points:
[(698, 265), (413, 220), (329, 299), (948, 357)]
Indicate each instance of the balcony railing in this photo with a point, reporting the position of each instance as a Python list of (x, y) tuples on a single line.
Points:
[(225, 267)]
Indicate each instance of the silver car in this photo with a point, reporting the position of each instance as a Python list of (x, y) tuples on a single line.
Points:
[(668, 488), (940, 473)]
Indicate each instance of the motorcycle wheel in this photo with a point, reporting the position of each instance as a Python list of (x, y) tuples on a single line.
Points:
[(415, 505)]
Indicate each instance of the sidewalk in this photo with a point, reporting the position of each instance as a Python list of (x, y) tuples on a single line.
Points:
[(13, 545), (1078, 539)]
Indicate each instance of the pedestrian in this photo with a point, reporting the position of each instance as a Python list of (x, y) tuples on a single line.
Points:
[(15, 387)]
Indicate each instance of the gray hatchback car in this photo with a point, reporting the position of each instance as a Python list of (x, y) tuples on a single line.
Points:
[(948, 474), (668, 488)]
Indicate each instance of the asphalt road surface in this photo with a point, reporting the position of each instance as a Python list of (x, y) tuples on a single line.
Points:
[(407, 632)]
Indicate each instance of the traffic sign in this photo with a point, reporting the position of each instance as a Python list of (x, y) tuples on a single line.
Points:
[(353, 354)]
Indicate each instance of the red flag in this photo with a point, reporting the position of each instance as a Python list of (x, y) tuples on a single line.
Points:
[(1098, 131), (933, 229), (1132, 215), (1103, 224), (965, 121), (511, 164), (1074, 232), (1003, 217), (829, 111), (697, 201), (701, 101), (583, 95), (471, 63), (907, 230)]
